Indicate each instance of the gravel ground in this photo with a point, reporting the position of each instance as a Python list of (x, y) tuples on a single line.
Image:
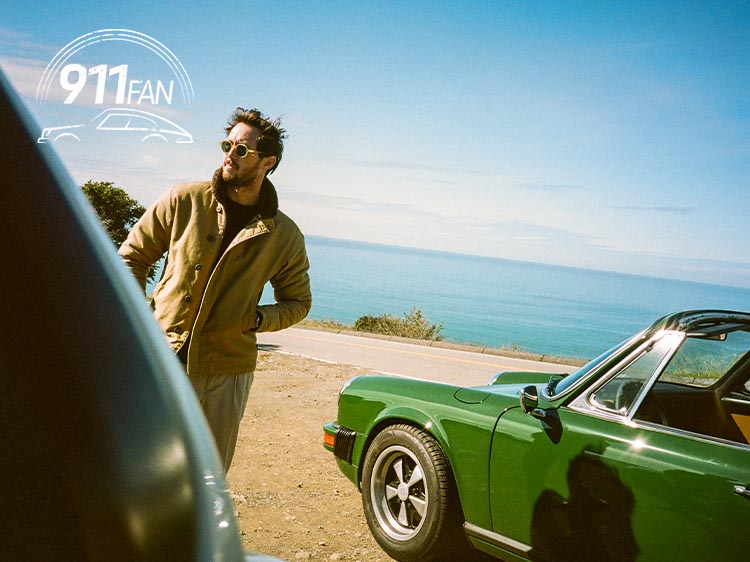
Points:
[(291, 499)]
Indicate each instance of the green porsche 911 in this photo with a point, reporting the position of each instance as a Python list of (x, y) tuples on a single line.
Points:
[(642, 454)]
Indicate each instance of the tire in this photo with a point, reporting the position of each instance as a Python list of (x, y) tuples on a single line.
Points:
[(410, 499)]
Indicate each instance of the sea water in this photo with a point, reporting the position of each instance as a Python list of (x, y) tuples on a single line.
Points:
[(495, 302)]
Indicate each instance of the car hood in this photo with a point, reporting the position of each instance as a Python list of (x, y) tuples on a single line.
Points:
[(506, 384)]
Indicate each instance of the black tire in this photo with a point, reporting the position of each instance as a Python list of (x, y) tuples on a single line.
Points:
[(410, 498)]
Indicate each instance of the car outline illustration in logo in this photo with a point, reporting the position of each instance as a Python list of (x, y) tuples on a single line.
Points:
[(121, 120)]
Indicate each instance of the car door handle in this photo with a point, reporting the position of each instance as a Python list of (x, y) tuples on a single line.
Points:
[(742, 491)]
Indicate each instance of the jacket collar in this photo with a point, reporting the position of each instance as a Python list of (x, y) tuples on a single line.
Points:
[(268, 201)]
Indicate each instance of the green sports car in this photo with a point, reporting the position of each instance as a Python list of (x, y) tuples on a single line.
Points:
[(642, 454)]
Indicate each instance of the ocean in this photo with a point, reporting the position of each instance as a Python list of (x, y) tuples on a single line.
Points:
[(494, 302)]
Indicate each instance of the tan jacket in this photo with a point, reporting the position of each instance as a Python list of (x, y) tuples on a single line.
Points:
[(217, 306)]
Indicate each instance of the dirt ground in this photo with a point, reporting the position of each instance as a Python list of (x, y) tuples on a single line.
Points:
[(291, 499)]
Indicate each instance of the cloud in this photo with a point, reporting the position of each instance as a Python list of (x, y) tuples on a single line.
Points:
[(400, 165), (341, 203), (23, 45), (24, 74), (519, 232), (451, 175), (656, 209), (535, 233), (24, 60), (138, 168), (551, 187)]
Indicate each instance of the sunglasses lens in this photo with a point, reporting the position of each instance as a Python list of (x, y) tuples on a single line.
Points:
[(226, 146), (241, 150)]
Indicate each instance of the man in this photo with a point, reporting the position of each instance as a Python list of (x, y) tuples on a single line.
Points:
[(224, 240)]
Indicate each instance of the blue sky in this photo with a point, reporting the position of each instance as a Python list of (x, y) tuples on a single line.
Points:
[(605, 135)]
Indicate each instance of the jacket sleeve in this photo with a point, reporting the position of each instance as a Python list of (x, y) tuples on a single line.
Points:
[(148, 240), (291, 289)]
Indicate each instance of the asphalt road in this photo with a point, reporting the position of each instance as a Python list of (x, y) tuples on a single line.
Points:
[(396, 358)]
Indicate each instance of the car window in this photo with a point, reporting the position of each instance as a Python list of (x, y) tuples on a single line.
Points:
[(620, 392), (704, 389), (700, 362)]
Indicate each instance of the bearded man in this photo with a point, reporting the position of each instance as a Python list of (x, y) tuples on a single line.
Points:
[(224, 239)]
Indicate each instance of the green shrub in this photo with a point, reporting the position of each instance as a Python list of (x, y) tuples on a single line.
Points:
[(327, 323), (412, 325)]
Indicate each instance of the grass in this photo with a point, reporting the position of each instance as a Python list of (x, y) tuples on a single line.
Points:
[(412, 325)]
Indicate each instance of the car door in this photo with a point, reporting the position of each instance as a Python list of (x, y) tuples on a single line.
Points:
[(589, 482)]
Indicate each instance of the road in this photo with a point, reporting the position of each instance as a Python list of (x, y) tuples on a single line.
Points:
[(396, 358)]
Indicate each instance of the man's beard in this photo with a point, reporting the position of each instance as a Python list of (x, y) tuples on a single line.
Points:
[(246, 178)]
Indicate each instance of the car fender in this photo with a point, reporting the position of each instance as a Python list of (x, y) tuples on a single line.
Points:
[(412, 416), (466, 443)]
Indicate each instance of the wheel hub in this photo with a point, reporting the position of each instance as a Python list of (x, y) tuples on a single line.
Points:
[(403, 492)]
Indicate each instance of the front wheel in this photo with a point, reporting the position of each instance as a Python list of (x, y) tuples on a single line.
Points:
[(410, 498)]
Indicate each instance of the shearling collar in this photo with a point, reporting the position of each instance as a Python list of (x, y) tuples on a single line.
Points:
[(268, 201)]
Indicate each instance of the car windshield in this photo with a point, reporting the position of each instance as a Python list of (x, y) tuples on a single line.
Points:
[(558, 385)]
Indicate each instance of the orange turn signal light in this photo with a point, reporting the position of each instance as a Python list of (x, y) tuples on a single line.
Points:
[(329, 439)]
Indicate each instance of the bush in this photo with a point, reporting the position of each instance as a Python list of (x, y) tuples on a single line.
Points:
[(412, 325)]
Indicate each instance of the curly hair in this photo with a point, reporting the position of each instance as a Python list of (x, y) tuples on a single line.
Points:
[(272, 135)]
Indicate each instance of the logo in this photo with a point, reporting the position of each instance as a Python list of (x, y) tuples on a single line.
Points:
[(127, 86)]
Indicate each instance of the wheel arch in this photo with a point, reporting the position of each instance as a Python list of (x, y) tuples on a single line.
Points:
[(448, 539), (406, 416)]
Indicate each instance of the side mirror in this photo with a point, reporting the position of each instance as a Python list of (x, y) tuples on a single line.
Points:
[(530, 401)]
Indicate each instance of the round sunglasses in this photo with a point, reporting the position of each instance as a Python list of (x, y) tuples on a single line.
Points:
[(240, 149)]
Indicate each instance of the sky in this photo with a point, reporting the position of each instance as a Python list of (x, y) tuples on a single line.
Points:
[(603, 135)]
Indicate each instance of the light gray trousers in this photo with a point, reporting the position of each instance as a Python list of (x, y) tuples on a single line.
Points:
[(223, 399)]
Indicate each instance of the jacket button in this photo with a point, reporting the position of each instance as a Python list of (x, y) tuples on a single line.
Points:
[(188, 298), (211, 238), (198, 267)]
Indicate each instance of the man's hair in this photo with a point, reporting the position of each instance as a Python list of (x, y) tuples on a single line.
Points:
[(271, 139)]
